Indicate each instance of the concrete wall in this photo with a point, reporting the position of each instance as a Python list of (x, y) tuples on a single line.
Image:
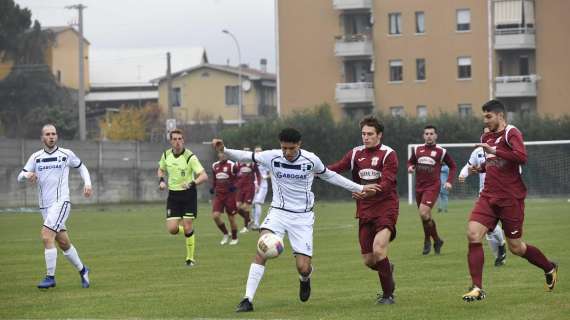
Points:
[(120, 171)]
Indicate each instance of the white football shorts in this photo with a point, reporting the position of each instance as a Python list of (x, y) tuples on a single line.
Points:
[(56, 215), (297, 226)]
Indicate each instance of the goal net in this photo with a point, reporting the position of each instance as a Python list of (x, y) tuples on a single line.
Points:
[(546, 174)]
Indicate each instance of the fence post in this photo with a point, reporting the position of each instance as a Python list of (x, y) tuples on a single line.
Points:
[(99, 169)]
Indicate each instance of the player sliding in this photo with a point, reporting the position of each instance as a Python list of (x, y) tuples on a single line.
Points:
[(292, 172), (426, 161), (49, 167), (502, 199)]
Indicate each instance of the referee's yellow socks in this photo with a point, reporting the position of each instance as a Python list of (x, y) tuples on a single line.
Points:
[(190, 247)]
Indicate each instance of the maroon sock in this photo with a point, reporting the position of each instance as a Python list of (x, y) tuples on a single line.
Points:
[(385, 275), (223, 228), (234, 234), (425, 224), (476, 259), (536, 257), (246, 218), (433, 231)]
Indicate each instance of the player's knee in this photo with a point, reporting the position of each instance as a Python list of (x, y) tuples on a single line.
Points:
[(473, 235), (173, 230), (518, 249), (63, 244)]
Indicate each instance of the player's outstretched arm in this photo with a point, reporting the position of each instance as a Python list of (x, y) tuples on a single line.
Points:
[(464, 173), (338, 180)]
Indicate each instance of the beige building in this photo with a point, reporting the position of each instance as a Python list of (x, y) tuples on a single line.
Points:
[(418, 57), (61, 57), (209, 91)]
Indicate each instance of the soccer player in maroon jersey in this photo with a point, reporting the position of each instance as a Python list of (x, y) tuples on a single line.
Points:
[(224, 176), (375, 163), (247, 181), (426, 161), (502, 198)]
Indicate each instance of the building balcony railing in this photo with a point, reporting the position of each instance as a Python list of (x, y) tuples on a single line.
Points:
[(516, 86), (352, 4), (354, 45), (355, 92), (515, 38)]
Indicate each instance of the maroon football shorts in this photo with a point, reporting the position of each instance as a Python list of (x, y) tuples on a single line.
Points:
[(245, 195), (510, 211), (225, 201), (427, 197), (369, 227)]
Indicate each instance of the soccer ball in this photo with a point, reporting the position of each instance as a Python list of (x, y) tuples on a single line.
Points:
[(269, 246)]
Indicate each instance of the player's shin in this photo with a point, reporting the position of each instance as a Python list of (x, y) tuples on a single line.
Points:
[(51, 261), (73, 257), (476, 260), (253, 279), (385, 275), (537, 258)]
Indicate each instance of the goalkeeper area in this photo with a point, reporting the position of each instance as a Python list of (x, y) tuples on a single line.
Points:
[(138, 269), (546, 174)]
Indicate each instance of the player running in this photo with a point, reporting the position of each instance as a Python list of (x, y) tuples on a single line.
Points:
[(292, 172), (495, 238), (426, 161), (224, 176), (248, 178), (184, 173), (375, 163), (49, 168), (502, 199)]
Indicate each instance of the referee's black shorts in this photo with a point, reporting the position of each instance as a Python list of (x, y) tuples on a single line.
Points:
[(182, 204)]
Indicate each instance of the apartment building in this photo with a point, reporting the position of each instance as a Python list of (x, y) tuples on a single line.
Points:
[(418, 57)]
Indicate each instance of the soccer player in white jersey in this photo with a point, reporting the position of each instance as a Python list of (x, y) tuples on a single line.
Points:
[(495, 238), (261, 192), (292, 172), (49, 168)]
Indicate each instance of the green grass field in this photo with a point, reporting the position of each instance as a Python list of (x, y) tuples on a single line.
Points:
[(138, 269)]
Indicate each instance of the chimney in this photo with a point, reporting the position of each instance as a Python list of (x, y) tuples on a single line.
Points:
[(263, 65)]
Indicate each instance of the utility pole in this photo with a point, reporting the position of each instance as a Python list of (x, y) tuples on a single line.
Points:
[(81, 90), (169, 87)]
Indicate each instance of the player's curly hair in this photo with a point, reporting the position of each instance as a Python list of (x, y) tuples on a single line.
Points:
[(372, 121), (290, 135)]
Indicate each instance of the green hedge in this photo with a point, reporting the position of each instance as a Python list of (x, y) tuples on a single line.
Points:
[(330, 140)]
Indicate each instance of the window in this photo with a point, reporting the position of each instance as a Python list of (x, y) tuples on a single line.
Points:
[(397, 111), (421, 112), (463, 20), (464, 67), (420, 69), (176, 97), (420, 22), (395, 23), (464, 110), (396, 70), (59, 76), (232, 95), (524, 66)]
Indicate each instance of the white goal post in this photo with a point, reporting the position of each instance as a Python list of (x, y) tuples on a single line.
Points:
[(461, 162)]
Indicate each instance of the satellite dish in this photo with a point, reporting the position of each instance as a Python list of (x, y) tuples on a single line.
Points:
[(246, 85)]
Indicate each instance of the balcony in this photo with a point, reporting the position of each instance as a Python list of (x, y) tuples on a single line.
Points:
[(352, 4), (354, 45), (514, 38), (355, 92), (515, 86)]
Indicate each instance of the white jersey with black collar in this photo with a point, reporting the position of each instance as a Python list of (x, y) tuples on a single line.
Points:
[(52, 171)]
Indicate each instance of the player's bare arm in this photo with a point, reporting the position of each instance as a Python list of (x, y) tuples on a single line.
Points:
[(162, 183), (487, 148)]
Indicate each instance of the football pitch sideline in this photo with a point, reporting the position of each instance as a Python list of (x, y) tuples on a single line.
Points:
[(138, 269)]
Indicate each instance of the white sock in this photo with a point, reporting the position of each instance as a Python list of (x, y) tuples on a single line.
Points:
[(51, 261), (253, 279), (73, 257), (256, 213), (495, 239)]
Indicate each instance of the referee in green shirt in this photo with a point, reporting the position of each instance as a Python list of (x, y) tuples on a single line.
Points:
[(184, 173)]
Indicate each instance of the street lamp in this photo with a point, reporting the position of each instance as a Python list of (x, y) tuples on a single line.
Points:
[(240, 95)]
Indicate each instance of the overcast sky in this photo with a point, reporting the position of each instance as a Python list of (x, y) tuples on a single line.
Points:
[(112, 25)]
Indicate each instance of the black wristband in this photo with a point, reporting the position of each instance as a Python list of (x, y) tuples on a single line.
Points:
[(161, 180)]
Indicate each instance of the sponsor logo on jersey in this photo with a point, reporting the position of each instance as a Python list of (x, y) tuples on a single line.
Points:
[(51, 166), (369, 174), (427, 161), (245, 170), (285, 175), (222, 175)]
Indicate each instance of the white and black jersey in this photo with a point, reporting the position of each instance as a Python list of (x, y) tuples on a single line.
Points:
[(52, 171), (291, 181)]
